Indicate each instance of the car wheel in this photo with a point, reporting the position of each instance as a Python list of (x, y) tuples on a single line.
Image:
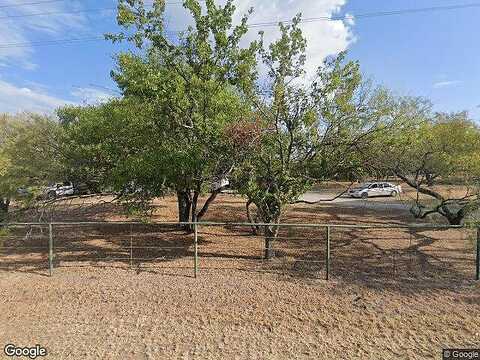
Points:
[(364, 195), (52, 195), (394, 193)]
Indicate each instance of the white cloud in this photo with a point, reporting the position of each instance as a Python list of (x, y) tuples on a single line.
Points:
[(34, 97), (91, 96), (443, 84), (15, 41), (324, 37), (14, 99), (12, 34)]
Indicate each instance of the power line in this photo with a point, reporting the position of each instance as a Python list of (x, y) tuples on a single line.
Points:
[(306, 20), (373, 14), (32, 3), (105, 88), (113, 91), (255, 25), (58, 13), (53, 1), (58, 41), (63, 12), (51, 42)]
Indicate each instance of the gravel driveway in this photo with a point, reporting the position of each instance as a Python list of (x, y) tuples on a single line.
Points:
[(378, 203)]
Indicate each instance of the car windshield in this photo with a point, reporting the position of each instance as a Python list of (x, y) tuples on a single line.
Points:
[(363, 186)]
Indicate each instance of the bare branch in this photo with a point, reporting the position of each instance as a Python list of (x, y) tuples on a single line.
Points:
[(324, 200)]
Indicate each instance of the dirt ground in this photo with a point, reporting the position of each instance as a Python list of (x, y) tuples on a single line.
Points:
[(128, 292)]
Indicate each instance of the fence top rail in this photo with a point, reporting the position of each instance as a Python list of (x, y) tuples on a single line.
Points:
[(238, 224)]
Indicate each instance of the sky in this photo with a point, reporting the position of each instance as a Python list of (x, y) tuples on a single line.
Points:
[(432, 54)]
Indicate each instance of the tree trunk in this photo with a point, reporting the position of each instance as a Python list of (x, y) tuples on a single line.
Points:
[(456, 221), (196, 194), (184, 207), (453, 218), (271, 233), (4, 205), (188, 206), (210, 199), (270, 213), (268, 243), (254, 227)]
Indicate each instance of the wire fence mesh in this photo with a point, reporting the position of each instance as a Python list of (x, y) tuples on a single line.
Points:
[(299, 250), (24, 247)]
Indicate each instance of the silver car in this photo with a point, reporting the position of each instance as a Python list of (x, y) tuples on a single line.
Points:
[(60, 189), (372, 189)]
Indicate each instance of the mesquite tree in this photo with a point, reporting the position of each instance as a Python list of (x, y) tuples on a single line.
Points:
[(29, 157), (436, 149), (193, 86), (303, 125)]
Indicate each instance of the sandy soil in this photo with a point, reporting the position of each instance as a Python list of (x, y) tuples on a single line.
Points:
[(122, 314), (124, 292)]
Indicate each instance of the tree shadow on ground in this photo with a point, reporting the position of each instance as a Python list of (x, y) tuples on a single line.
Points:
[(26, 249), (384, 259), (77, 209), (340, 213), (405, 260)]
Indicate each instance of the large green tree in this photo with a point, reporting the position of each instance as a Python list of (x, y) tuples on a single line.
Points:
[(195, 87), (310, 129), (435, 149), (104, 145), (30, 156)]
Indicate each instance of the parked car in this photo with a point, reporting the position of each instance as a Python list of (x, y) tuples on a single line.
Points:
[(220, 183), (372, 189), (84, 188), (23, 192), (59, 189)]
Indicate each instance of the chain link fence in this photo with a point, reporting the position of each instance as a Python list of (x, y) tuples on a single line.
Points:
[(322, 251)]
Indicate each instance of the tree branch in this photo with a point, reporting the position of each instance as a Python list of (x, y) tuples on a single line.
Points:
[(323, 200), (210, 199)]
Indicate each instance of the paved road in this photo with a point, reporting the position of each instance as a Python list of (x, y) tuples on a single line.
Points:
[(379, 203)]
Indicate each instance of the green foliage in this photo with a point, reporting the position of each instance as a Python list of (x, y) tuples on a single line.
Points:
[(104, 144), (4, 231), (182, 97), (439, 146), (30, 156), (308, 132), (429, 149)]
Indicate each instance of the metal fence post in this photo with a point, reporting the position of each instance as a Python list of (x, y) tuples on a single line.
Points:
[(195, 250), (131, 247), (327, 255), (477, 261), (394, 263), (50, 248)]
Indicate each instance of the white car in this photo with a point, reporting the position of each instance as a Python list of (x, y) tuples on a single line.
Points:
[(220, 183), (372, 189), (60, 189)]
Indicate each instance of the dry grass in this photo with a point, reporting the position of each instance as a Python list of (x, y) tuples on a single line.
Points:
[(394, 294)]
